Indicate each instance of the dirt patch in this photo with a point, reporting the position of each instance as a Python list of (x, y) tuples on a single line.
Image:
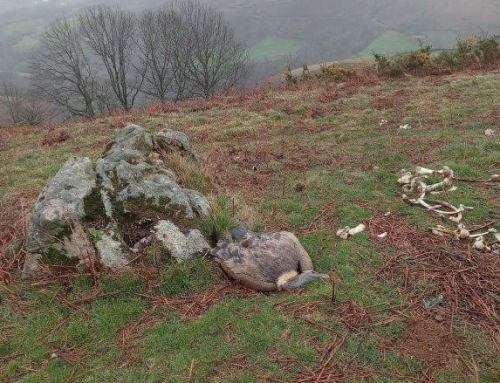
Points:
[(429, 342)]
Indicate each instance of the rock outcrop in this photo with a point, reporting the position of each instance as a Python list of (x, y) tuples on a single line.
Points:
[(105, 215)]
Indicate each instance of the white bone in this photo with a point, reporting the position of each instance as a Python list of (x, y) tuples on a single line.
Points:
[(492, 230), (357, 229), (439, 186), (479, 244), (446, 172), (382, 236), (462, 232), (344, 232), (421, 171), (405, 178)]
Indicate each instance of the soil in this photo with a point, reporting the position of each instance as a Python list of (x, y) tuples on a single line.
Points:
[(429, 342)]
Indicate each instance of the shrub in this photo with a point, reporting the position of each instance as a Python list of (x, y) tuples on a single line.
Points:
[(337, 71), (397, 65)]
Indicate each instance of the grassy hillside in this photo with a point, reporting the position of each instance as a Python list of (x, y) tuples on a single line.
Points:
[(311, 159)]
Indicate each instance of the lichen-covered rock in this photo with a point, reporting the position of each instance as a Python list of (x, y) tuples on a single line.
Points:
[(60, 205), (174, 141), (111, 251), (86, 216), (180, 246)]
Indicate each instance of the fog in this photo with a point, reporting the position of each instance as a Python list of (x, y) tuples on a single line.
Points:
[(281, 32)]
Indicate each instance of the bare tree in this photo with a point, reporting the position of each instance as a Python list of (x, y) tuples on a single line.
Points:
[(190, 51), (215, 61), (163, 47), (111, 35), (155, 33), (62, 72), (23, 108)]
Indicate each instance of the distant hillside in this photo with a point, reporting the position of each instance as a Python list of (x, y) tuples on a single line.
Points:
[(282, 32)]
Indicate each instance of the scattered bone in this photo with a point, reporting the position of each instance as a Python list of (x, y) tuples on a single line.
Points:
[(492, 230), (446, 172), (421, 171), (442, 231), (405, 178), (480, 244), (383, 235), (404, 127), (415, 191), (489, 132), (462, 232), (346, 232), (441, 186)]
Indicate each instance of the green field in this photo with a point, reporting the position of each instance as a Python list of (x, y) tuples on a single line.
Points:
[(390, 42), (271, 48)]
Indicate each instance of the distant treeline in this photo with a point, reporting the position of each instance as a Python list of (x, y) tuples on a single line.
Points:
[(105, 58)]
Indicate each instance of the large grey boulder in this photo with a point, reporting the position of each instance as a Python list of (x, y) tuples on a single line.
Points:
[(102, 216)]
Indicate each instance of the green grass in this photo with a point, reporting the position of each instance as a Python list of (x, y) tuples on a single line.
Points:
[(390, 42), (271, 47), (181, 322)]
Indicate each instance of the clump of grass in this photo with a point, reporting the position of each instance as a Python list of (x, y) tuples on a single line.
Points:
[(190, 174), (226, 213), (220, 220), (181, 277)]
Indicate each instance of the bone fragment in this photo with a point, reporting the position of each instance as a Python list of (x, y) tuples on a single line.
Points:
[(383, 235), (421, 171), (446, 172), (492, 230), (405, 178), (462, 232), (480, 244), (442, 231), (346, 232), (357, 229), (443, 185)]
